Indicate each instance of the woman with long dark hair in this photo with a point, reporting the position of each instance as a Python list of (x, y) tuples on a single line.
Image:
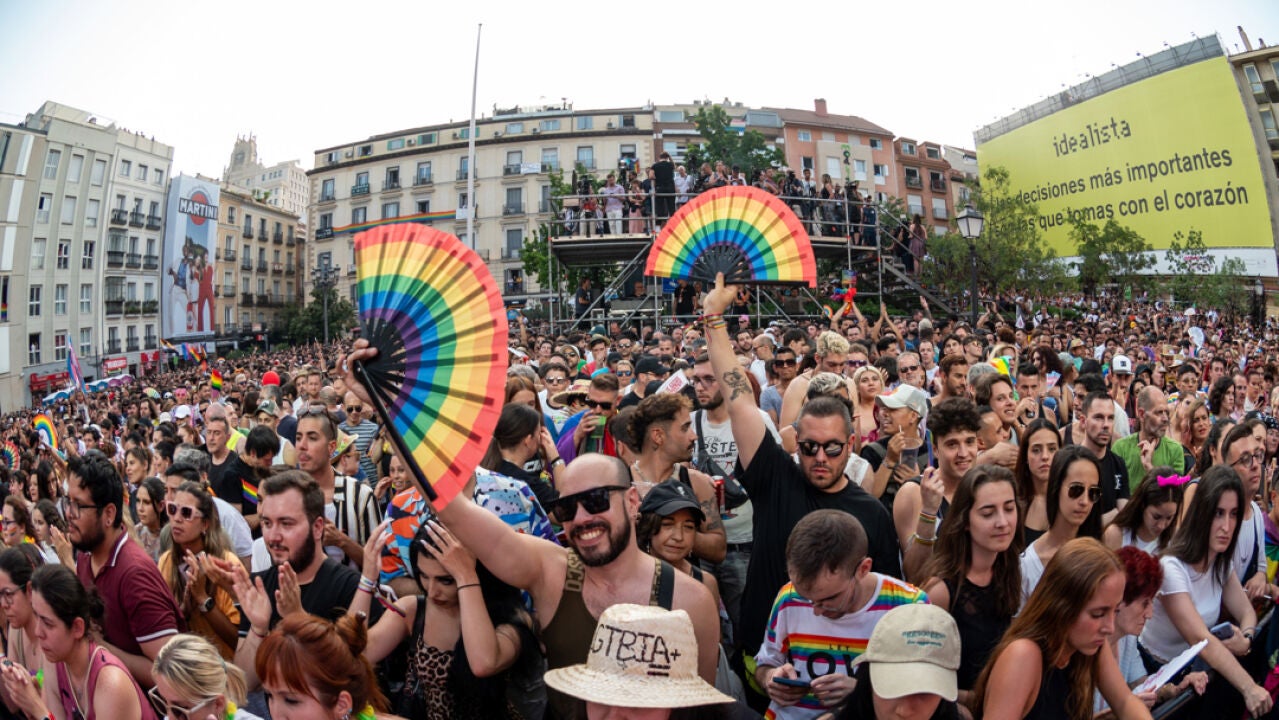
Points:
[(17, 564), (152, 516), (1035, 455), (1073, 510), (974, 572), (1054, 654), (1149, 519), (519, 439), (209, 608)]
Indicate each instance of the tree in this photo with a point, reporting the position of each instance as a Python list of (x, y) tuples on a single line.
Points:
[(1110, 255), (306, 324), (1196, 279), (1010, 252), (748, 150), (535, 251)]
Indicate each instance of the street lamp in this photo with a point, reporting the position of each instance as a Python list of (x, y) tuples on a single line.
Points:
[(970, 224), (325, 277)]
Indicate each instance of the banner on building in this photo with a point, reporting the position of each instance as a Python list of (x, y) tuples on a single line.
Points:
[(190, 236)]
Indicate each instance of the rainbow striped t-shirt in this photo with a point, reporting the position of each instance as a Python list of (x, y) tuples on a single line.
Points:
[(817, 645)]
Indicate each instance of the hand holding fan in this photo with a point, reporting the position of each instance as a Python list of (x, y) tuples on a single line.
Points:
[(48, 433), (749, 235), (431, 309)]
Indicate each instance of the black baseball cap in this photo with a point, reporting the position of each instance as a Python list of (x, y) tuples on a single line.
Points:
[(668, 498), (652, 366)]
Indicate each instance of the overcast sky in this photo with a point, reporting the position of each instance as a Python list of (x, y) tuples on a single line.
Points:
[(306, 75)]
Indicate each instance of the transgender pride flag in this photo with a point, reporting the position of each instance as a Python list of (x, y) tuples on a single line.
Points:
[(73, 370)]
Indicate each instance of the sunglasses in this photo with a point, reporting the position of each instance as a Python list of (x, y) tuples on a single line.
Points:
[(185, 512), (355, 409), (623, 373), (594, 501), (785, 363), (1074, 490), (856, 363), (902, 370), (171, 711), (599, 404), (832, 448), (556, 380)]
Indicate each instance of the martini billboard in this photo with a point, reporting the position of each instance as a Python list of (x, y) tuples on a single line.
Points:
[(190, 236)]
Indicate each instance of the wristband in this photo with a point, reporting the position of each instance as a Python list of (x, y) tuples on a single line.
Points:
[(255, 631), (926, 542), (367, 585), (468, 585), (927, 519)]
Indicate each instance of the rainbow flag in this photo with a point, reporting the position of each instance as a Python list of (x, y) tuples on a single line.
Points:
[(73, 370), (48, 433), (250, 492), (215, 382)]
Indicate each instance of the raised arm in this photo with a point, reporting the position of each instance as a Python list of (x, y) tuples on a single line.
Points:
[(748, 426)]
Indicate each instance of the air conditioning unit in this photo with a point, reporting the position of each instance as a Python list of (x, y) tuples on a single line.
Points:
[(537, 130), (610, 124), (497, 133), (411, 141), (455, 136), (350, 153)]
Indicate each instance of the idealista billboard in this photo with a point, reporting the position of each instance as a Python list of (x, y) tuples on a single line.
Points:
[(187, 276), (1170, 153)]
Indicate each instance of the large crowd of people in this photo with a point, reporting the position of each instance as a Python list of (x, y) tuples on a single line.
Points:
[(735, 518)]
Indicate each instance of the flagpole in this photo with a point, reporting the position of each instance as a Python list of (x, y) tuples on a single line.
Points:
[(470, 151)]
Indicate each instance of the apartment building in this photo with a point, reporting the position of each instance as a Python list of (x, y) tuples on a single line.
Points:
[(963, 169), (420, 175), (846, 147), (674, 129), (924, 181), (282, 185), (1256, 72), (23, 152), (258, 265)]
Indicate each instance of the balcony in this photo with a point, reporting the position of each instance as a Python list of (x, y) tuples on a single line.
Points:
[(150, 307), (421, 180), (137, 218), (516, 209), (228, 291), (463, 174), (228, 254), (937, 184), (150, 342), (248, 231), (289, 270), (264, 300), (544, 206), (246, 298), (277, 237), (361, 189), (119, 216), (327, 197), (291, 240), (940, 213), (277, 300), (262, 234), (914, 182), (350, 272), (324, 233), (132, 307), (277, 268), (133, 261), (586, 164), (132, 344), (246, 264), (153, 222), (115, 258), (508, 170), (550, 166), (262, 266), (114, 307), (151, 262), (113, 345), (391, 185)]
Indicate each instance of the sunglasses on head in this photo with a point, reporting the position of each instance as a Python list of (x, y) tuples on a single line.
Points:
[(185, 512), (599, 404), (832, 448), (1074, 490), (594, 501)]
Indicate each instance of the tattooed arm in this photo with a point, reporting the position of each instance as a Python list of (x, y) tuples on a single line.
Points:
[(748, 425), (711, 543)]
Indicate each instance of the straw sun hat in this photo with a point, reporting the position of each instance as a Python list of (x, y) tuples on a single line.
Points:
[(640, 657)]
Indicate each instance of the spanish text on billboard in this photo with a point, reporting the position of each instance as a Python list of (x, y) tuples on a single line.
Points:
[(190, 237)]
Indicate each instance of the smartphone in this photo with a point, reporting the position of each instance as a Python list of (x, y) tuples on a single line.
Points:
[(909, 456), (792, 682), (1223, 631)]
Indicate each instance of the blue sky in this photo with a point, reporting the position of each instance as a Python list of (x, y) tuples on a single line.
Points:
[(304, 75)]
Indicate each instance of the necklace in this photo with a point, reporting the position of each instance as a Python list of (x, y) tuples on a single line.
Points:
[(643, 484), (84, 684)]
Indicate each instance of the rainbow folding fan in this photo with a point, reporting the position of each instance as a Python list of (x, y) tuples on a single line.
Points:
[(749, 235), (10, 454), (48, 433), (430, 307)]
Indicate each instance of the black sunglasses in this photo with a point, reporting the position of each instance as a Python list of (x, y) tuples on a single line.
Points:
[(599, 404), (1074, 490), (784, 363), (595, 501), (832, 448)]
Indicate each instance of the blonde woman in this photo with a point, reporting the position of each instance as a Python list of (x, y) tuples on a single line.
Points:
[(868, 383), (192, 681)]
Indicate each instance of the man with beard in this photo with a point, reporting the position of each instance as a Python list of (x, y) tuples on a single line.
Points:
[(1098, 412), (300, 577), (350, 508), (1150, 447), (664, 437), (785, 367), (140, 612), (952, 377), (781, 492)]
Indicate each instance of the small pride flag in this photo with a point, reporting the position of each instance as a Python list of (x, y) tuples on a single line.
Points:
[(215, 382)]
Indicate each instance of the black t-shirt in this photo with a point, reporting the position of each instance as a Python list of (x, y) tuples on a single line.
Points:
[(288, 428), (684, 297), (227, 480), (664, 176), (782, 496), (1114, 481), (328, 595)]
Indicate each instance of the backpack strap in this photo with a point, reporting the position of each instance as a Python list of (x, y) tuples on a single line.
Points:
[(419, 620), (663, 586)]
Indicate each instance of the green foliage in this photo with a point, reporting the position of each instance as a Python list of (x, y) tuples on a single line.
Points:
[(1111, 255), (1010, 252), (535, 252), (1196, 279), (748, 150), (305, 324)]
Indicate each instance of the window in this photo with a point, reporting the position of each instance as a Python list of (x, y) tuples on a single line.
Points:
[(915, 204), (366, 150), (326, 221), (86, 260), (33, 349), (37, 253), (932, 153), (86, 342), (60, 345), (423, 207), (358, 215), (427, 139), (1268, 124), (1249, 71), (244, 284), (463, 166), (423, 175), (362, 180), (881, 174), (585, 122), (60, 299), (514, 201), (390, 210), (91, 212), (876, 144), (51, 162), (64, 254), (462, 200), (551, 124), (939, 208), (806, 163), (804, 136), (670, 116), (395, 144), (514, 240), (44, 208), (326, 191), (834, 167), (586, 157), (230, 215), (464, 133), (159, 177), (75, 169), (33, 301), (99, 172), (392, 180), (126, 167), (859, 170), (628, 121), (68, 209), (514, 158), (514, 128), (627, 150), (908, 148), (142, 173), (86, 298)]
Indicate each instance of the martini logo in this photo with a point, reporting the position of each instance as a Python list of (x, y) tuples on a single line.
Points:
[(197, 206)]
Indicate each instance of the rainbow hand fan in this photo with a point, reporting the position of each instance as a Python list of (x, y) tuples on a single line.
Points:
[(48, 433), (430, 307), (10, 454), (743, 232)]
